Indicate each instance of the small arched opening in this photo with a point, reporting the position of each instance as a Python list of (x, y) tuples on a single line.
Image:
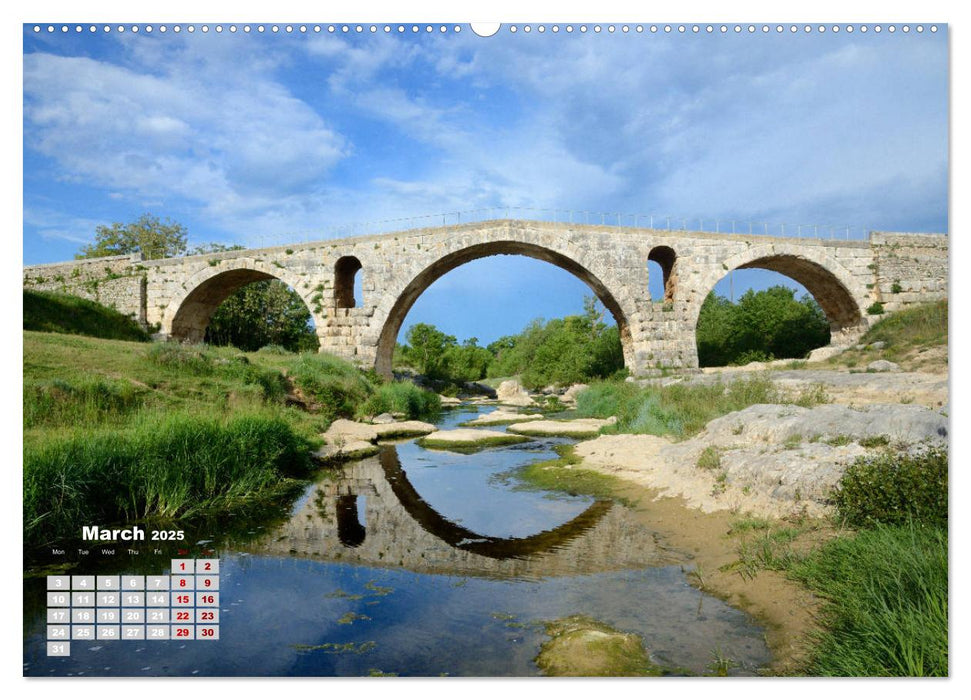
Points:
[(661, 267), (351, 531), (347, 282)]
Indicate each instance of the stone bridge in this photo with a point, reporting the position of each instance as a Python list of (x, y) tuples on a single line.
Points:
[(849, 279)]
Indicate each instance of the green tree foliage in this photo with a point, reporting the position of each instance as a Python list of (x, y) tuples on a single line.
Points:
[(467, 362), (560, 351), (146, 235), (426, 349), (765, 325), (263, 313)]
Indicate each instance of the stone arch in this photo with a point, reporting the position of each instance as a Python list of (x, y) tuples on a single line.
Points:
[(345, 269), (666, 258), (839, 295), (187, 315), (424, 279), (455, 535)]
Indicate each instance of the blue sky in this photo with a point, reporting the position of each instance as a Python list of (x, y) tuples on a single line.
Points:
[(253, 138)]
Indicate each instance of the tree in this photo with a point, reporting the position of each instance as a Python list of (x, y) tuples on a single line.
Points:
[(147, 235), (763, 325), (427, 346), (263, 313)]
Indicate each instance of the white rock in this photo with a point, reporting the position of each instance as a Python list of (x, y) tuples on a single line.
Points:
[(512, 393), (883, 366)]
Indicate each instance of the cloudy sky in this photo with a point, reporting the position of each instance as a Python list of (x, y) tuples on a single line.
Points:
[(259, 138)]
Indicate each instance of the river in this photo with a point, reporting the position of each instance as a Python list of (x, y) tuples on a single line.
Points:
[(415, 562)]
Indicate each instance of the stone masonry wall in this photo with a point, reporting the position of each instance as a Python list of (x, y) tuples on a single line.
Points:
[(909, 268), (117, 282)]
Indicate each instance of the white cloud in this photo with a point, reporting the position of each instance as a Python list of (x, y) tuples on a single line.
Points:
[(210, 141), (293, 134)]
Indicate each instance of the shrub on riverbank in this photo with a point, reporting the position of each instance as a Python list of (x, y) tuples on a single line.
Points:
[(894, 489), (887, 602), (334, 384), (161, 466), (401, 397)]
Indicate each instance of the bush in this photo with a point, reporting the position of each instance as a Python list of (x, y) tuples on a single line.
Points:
[(895, 488), (401, 397), (875, 309), (336, 385)]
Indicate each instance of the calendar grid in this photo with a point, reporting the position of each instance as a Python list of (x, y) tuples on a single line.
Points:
[(182, 604)]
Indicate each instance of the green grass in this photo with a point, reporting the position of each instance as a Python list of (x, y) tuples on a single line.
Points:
[(334, 384), (887, 603), (82, 401), (924, 325), (401, 397), (680, 410), (561, 474), (470, 445), (903, 333), (116, 431), (710, 458), (160, 466), (51, 312)]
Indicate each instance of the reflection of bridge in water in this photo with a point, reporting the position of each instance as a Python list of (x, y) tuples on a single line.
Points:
[(397, 527)]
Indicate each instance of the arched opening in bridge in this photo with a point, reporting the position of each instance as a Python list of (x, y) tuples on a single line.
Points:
[(248, 309), (348, 291), (661, 275), (351, 529), (772, 308), (501, 287)]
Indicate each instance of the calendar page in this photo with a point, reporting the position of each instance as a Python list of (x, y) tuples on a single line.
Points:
[(484, 350)]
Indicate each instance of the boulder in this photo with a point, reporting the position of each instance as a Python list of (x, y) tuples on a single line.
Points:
[(570, 395), (883, 366), (512, 393), (824, 353)]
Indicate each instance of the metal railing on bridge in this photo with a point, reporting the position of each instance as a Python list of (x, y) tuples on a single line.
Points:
[(617, 220)]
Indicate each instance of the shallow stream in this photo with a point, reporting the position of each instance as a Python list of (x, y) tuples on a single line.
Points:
[(417, 562)]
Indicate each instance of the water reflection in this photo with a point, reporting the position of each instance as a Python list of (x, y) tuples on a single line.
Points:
[(373, 514), (418, 563)]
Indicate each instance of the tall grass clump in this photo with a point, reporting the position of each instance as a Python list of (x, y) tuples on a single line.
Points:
[(83, 401), (336, 385), (272, 383), (680, 410), (894, 489), (190, 359), (924, 324), (886, 610), (164, 466), (54, 312), (401, 397)]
